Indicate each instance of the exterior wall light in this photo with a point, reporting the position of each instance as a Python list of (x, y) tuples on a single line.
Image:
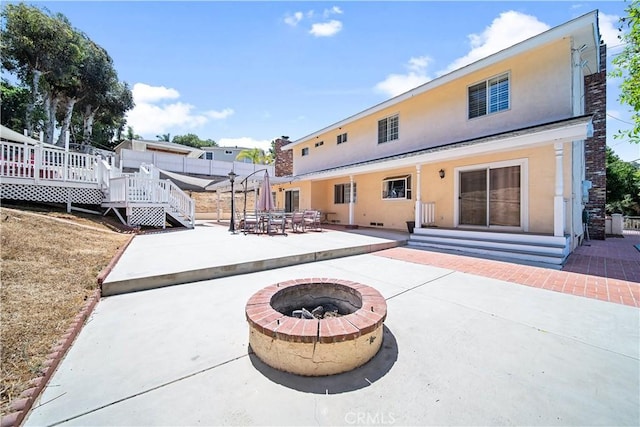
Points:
[(441, 173)]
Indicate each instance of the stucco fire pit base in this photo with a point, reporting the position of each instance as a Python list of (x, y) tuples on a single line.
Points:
[(316, 347)]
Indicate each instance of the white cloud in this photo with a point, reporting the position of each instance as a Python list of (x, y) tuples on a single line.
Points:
[(335, 10), (326, 29), (145, 93), (246, 142), (219, 115), (395, 84), (506, 30), (608, 25), (294, 19), (151, 116)]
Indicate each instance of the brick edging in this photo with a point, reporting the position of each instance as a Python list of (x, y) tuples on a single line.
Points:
[(20, 407), (105, 271)]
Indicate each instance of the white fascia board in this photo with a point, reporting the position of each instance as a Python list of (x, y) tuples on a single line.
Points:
[(569, 133), (588, 21)]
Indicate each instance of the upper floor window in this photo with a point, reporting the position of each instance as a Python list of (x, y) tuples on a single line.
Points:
[(228, 152), (319, 143), (208, 155), (342, 192), (489, 96), (397, 187), (305, 151), (341, 138), (388, 129)]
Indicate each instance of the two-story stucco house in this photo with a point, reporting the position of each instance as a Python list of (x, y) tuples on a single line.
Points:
[(504, 153)]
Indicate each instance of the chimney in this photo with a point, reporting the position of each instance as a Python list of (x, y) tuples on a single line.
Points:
[(594, 147), (284, 159)]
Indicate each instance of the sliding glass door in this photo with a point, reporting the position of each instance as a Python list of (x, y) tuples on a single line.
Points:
[(291, 200), (490, 197)]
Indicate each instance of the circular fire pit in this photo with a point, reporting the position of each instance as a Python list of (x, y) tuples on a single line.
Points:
[(316, 327)]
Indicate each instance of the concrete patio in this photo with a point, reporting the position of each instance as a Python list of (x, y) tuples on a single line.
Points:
[(459, 348)]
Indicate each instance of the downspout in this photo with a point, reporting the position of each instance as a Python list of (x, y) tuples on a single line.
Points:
[(351, 214), (418, 210), (577, 147)]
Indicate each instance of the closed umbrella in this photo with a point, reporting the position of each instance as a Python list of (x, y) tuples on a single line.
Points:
[(265, 199)]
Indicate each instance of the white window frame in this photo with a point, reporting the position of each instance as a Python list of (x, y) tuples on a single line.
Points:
[(342, 138), (390, 135), (304, 151), (407, 187), (524, 192), (488, 103)]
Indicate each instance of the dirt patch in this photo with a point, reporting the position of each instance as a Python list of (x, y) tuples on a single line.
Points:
[(49, 264)]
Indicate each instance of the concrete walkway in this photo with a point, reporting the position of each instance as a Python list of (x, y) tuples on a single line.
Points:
[(459, 348)]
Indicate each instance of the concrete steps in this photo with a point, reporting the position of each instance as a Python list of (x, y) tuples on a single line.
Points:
[(530, 249)]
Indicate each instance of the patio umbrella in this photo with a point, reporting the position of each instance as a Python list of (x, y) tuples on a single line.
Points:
[(265, 199)]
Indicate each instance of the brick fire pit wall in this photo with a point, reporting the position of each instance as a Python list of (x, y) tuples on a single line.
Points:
[(316, 347)]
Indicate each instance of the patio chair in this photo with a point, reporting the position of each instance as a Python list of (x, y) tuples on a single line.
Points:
[(250, 223), (312, 220), (277, 223), (296, 222)]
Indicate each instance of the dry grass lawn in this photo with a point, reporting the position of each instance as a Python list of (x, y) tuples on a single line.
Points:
[(50, 263)]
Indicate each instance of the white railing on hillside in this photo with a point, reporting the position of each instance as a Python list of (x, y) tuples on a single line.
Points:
[(181, 164), (39, 163), (137, 188)]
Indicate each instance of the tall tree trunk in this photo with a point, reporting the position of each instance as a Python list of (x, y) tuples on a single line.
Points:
[(66, 121), (87, 124), (50, 107), (31, 106)]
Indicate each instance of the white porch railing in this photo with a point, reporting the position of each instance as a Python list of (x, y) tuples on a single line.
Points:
[(428, 213)]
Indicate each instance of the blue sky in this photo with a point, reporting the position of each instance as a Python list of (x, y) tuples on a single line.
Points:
[(244, 73)]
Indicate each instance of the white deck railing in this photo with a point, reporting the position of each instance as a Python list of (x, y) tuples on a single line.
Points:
[(137, 188), (40, 163)]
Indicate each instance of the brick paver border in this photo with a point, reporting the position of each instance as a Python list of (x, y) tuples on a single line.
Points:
[(584, 285)]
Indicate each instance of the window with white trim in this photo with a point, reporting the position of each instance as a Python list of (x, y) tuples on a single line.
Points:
[(342, 138), (319, 143), (341, 193), (388, 129), (305, 151), (397, 187), (489, 96)]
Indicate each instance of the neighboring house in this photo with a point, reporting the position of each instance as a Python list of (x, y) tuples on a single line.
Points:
[(225, 154), (159, 147), (512, 144)]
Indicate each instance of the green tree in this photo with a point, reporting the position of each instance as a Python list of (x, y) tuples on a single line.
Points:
[(623, 185), (166, 137), (13, 113), (627, 66), (63, 68), (256, 155), (39, 49), (192, 140)]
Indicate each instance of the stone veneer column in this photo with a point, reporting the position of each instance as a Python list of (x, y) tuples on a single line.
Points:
[(595, 155), (284, 158)]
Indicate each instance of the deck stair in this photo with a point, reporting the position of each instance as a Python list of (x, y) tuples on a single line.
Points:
[(531, 249)]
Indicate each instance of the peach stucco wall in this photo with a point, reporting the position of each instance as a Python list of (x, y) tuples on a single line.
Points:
[(539, 179), (540, 91)]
